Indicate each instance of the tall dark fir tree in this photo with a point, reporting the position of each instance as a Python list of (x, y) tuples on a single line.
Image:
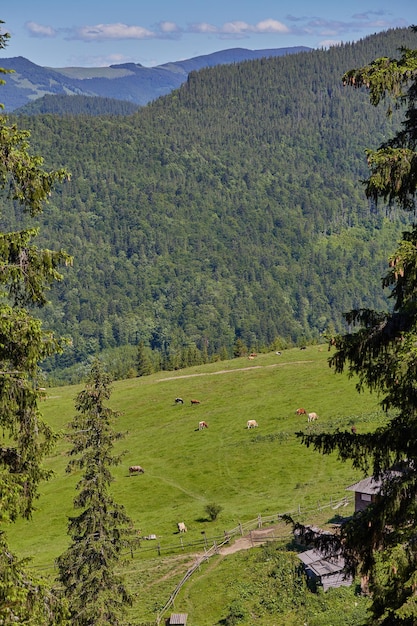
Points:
[(26, 274), (88, 570), (380, 543)]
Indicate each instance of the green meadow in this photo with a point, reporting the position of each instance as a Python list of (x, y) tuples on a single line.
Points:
[(262, 471)]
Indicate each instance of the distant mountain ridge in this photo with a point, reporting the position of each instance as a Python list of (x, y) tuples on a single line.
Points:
[(131, 82)]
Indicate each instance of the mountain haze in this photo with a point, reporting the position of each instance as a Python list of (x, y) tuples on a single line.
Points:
[(128, 81), (230, 209)]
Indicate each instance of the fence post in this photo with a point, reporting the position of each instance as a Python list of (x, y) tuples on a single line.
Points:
[(259, 520), (159, 549), (240, 528)]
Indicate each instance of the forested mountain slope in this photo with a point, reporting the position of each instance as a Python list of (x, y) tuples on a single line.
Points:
[(231, 208), (130, 82), (77, 105)]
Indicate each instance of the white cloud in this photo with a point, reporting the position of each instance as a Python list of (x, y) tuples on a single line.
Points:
[(239, 28), (236, 28), (203, 27), (169, 28), (101, 32), (40, 30), (327, 30), (271, 26)]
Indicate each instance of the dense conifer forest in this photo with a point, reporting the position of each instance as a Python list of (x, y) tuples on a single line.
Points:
[(228, 213)]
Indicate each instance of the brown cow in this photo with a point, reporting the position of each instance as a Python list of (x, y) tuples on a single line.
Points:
[(195, 401), (202, 425), (301, 412)]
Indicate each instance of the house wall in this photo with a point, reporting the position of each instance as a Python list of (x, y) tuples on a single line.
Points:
[(362, 500)]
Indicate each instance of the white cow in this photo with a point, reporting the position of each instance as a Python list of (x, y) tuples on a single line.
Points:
[(312, 416), (136, 469), (182, 527), (202, 425), (252, 424)]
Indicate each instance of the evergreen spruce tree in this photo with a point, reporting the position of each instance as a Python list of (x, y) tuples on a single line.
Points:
[(88, 570), (143, 361), (380, 542), (26, 273), (239, 349)]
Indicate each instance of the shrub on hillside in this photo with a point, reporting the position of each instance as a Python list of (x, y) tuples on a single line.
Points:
[(213, 510)]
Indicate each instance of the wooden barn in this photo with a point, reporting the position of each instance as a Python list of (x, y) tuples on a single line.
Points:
[(324, 571)]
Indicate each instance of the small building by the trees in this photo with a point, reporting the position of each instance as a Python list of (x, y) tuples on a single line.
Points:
[(325, 571), (368, 490), (179, 619)]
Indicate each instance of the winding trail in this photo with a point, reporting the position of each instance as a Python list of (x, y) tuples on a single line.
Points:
[(238, 369)]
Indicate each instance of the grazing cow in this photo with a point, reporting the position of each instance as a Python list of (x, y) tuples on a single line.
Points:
[(182, 528), (195, 401), (252, 424), (179, 401), (278, 353), (253, 354), (136, 469), (353, 430), (251, 358), (301, 412), (312, 417), (202, 425)]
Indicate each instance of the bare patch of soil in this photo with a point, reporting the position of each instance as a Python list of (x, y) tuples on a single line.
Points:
[(255, 538)]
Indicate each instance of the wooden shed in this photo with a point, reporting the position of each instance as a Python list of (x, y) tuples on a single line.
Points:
[(179, 619), (325, 571), (368, 490)]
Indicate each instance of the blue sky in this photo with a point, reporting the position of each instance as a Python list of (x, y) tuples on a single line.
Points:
[(93, 33)]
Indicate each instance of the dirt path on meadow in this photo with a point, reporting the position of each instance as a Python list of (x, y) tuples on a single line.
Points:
[(239, 369), (254, 538)]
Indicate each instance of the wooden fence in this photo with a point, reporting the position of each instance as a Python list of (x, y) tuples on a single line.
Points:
[(242, 529)]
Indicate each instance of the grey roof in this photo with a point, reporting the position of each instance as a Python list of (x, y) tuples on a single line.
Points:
[(178, 618), (321, 565), (367, 485), (370, 485)]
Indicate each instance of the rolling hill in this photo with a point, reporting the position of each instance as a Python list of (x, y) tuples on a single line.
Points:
[(128, 81), (263, 471)]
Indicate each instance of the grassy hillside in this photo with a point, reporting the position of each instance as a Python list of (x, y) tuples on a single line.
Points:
[(248, 472)]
